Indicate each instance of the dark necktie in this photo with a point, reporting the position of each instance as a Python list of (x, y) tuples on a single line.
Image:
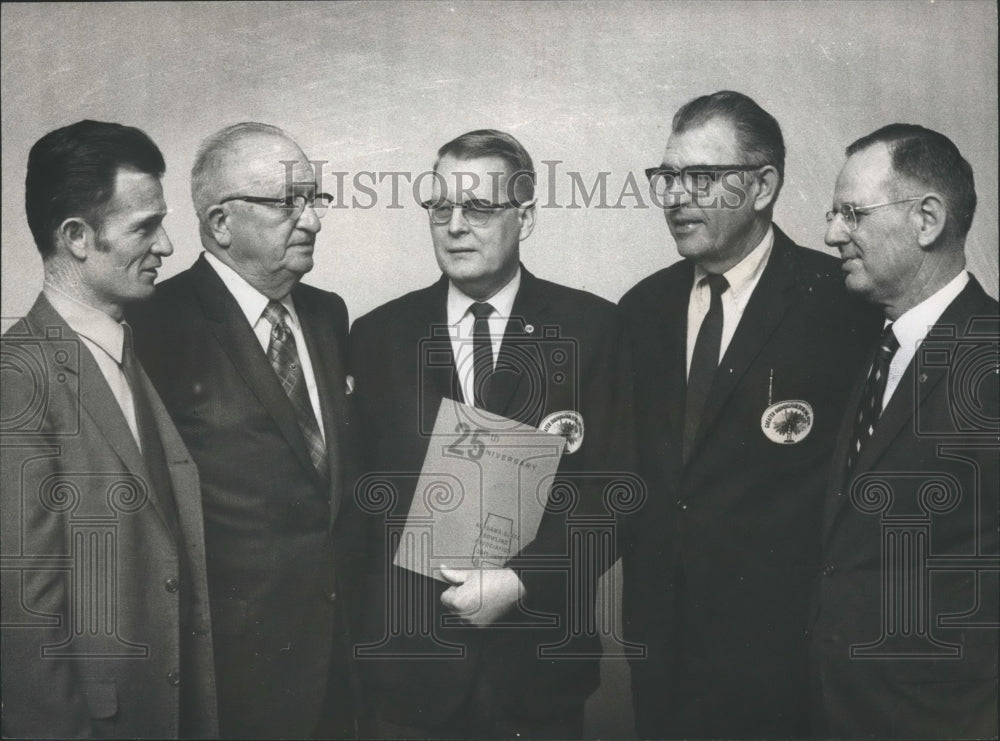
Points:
[(482, 354), (871, 400), (284, 357), (704, 361)]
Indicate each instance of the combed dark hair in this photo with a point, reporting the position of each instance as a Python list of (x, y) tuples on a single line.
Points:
[(757, 131), (72, 170), (933, 160), (494, 143)]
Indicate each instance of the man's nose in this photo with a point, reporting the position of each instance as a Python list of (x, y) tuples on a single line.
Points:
[(457, 223), (309, 220), (837, 233), (163, 246)]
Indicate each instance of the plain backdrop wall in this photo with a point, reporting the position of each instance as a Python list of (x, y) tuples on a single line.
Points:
[(378, 87)]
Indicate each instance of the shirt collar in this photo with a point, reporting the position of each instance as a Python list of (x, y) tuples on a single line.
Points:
[(913, 325), (744, 273), (251, 301), (88, 321), (502, 301)]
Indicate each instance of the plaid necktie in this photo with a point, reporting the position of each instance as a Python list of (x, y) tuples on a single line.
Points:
[(871, 401), (704, 361), (482, 353), (284, 358)]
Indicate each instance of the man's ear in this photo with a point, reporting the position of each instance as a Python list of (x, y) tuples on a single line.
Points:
[(768, 183), (933, 217), (217, 221), (527, 217), (77, 236)]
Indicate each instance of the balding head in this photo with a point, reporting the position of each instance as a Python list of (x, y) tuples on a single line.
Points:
[(242, 180), (228, 158)]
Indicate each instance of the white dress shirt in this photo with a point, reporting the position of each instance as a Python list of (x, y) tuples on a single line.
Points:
[(911, 328), (252, 303), (462, 322), (743, 278), (105, 339)]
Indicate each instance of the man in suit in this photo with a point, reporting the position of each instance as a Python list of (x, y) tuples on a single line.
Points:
[(742, 352), (905, 639), (519, 663), (106, 628), (250, 364)]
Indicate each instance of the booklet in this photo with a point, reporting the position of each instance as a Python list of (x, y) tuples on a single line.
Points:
[(481, 493)]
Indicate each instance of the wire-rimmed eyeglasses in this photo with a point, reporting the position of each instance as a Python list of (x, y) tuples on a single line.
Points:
[(851, 213)]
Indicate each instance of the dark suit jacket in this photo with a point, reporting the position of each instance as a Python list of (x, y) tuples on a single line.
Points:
[(277, 534), (92, 554), (718, 565), (914, 530), (568, 352)]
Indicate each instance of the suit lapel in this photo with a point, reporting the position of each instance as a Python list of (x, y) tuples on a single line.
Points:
[(898, 413), (98, 403), (912, 391), (330, 379), (508, 385), (770, 301), (235, 335), (436, 378), (669, 341)]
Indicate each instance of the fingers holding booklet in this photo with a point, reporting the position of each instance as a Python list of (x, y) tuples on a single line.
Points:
[(480, 596)]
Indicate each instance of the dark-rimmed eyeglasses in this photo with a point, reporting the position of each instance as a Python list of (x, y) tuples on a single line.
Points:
[(293, 206), (475, 212), (851, 213), (694, 178)]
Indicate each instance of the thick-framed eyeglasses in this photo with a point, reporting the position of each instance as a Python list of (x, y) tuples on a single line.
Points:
[(694, 178), (851, 213), (476, 213), (293, 206)]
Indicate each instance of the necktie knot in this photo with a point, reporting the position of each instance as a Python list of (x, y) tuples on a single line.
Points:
[(481, 310), (888, 344), (276, 313), (717, 284)]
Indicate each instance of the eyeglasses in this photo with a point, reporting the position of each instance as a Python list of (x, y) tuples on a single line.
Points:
[(476, 213), (293, 206), (693, 178), (851, 213)]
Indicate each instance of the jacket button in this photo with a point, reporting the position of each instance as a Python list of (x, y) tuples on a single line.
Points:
[(829, 569), (172, 584), (174, 678), (331, 597)]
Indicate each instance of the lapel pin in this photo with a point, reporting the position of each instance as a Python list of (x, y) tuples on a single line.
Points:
[(787, 422), (569, 425), (350, 385)]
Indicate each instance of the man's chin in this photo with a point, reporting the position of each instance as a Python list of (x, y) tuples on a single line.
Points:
[(300, 264)]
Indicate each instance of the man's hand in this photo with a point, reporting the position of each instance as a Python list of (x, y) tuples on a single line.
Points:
[(481, 596)]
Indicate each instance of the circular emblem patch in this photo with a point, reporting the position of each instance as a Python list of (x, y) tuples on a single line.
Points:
[(787, 422), (569, 425)]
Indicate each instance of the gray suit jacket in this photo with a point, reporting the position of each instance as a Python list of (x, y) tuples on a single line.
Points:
[(92, 559)]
